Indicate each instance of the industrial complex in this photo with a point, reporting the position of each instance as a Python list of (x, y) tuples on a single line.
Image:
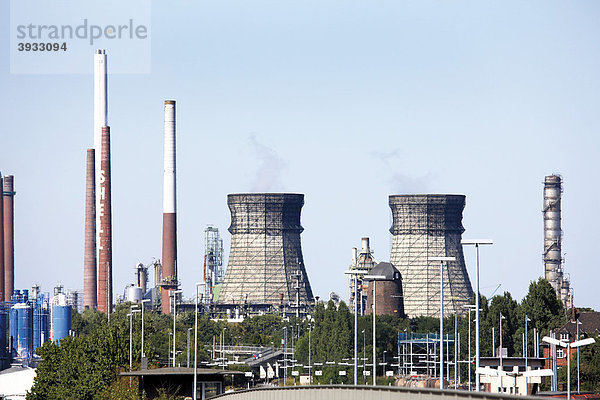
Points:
[(265, 272)]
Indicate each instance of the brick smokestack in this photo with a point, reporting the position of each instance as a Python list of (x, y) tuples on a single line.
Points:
[(90, 287), (9, 237), (169, 244), (105, 245), (2, 297)]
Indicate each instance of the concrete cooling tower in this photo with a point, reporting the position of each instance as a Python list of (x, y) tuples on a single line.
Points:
[(425, 226), (265, 265)]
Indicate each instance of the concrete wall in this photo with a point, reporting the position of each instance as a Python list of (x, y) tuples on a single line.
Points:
[(349, 392)]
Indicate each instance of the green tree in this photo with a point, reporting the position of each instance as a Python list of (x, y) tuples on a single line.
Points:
[(542, 307)]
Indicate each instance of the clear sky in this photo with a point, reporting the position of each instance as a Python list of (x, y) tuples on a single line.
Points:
[(344, 101)]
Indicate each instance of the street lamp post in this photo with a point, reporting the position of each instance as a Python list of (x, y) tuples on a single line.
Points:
[(364, 355), (309, 351), (188, 347), (143, 354), (355, 273), (222, 348), (174, 294), (577, 323), (374, 278), (441, 260), (195, 394), (477, 243), (500, 350), (577, 344)]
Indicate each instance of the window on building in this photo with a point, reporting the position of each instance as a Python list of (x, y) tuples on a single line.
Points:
[(564, 336), (560, 353)]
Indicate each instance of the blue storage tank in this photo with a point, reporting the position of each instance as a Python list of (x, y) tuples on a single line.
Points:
[(21, 330), (12, 332), (61, 321), (41, 327), (3, 325)]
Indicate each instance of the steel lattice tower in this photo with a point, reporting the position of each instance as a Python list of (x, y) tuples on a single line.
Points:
[(425, 226), (266, 255)]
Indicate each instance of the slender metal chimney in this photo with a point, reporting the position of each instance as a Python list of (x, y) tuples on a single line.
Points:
[(105, 214), (9, 237), (169, 244), (2, 296), (553, 270), (90, 284)]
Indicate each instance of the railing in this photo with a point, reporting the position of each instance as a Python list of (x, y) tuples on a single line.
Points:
[(351, 392)]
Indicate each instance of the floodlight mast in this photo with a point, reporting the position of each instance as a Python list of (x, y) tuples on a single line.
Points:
[(441, 260), (577, 343), (477, 243)]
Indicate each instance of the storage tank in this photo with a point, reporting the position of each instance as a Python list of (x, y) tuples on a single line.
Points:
[(133, 294), (61, 317), (3, 326), (21, 324), (41, 327)]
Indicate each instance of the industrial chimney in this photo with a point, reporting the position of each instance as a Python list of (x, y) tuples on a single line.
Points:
[(105, 289), (2, 296), (266, 255), (90, 286), (169, 244), (553, 269), (424, 226), (9, 237)]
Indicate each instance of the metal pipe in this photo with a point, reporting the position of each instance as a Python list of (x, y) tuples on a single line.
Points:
[(374, 338)]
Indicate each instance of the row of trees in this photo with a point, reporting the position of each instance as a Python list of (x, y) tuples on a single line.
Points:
[(87, 366)]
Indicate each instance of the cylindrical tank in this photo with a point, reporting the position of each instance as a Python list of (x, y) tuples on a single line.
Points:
[(40, 327), (61, 317), (134, 294), (3, 325), (21, 328), (61, 322)]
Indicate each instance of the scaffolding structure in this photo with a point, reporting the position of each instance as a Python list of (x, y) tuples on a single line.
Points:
[(213, 262), (426, 226), (265, 265), (418, 354), (363, 262)]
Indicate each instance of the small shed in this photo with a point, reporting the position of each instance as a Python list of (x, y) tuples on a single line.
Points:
[(180, 381)]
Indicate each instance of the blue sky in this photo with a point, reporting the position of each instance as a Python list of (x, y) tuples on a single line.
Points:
[(346, 102)]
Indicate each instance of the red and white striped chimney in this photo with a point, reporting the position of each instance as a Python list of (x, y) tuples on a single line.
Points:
[(105, 246), (2, 296), (9, 237), (169, 244)]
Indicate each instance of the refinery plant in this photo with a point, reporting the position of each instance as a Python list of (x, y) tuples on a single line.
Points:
[(265, 271)]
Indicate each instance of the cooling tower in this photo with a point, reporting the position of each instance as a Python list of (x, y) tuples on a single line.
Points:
[(265, 262), (426, 226)]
